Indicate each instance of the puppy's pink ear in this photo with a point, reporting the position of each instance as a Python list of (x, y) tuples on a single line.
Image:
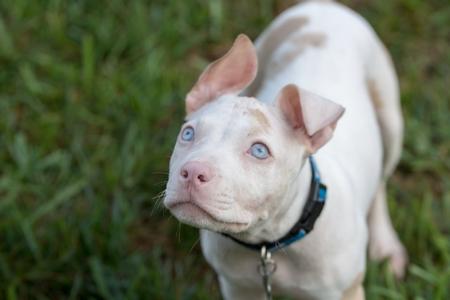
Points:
[(314, 117), (230, 74)]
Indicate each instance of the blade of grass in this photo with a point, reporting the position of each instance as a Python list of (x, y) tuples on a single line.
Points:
[(64, 195)]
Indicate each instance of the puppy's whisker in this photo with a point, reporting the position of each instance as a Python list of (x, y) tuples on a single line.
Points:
[(156, 207), (160, 173), (289, 255), (158, 201), (193, 246), (179, 232), (160, 195)]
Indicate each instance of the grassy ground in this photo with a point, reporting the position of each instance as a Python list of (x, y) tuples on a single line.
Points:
[(91, 98)]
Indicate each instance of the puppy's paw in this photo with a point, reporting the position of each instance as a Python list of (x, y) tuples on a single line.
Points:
[(388, 246), (398, 260)]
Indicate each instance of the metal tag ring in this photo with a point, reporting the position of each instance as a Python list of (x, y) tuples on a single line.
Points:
[(269, 268)]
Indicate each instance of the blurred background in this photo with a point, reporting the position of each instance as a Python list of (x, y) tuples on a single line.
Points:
[(91, 99)]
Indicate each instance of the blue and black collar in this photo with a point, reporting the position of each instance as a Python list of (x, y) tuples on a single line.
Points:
[(311, 211)]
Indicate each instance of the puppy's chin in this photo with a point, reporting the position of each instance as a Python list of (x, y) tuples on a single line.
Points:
[(196, 216)]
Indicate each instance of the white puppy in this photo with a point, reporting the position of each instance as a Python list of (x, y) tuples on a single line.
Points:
[(240, 165)]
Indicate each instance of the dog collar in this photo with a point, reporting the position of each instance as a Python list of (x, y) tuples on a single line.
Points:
[(311, 211)]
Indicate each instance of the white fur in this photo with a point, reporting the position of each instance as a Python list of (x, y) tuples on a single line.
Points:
[(257, 201)]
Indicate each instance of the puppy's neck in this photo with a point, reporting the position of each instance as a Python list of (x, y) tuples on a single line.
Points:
[(287, 211)]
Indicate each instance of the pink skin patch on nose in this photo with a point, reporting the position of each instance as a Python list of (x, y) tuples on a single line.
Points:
[(196, 173)]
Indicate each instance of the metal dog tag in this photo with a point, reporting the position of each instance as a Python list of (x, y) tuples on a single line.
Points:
[(266, 268)]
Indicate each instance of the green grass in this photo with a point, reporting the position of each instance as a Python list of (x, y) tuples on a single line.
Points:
[(91, 98)]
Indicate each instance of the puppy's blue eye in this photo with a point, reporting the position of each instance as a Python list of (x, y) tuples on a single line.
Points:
[(259, 150), (187, 134)]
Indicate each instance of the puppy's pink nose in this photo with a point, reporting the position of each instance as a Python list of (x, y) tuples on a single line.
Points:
[(196, 172)]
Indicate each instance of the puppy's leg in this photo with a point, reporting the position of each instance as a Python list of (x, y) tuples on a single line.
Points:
[(383, 88), (382, 84), (356, 290), (355, 293), (383, 240), (232, 291)]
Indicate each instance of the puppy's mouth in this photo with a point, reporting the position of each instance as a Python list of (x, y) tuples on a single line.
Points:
[(189, 212)]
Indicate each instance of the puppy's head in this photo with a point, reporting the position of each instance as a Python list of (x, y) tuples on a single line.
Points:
[(235, 156)]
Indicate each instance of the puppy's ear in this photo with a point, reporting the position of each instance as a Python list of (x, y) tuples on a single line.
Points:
[(230, 74), (313, 117)]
